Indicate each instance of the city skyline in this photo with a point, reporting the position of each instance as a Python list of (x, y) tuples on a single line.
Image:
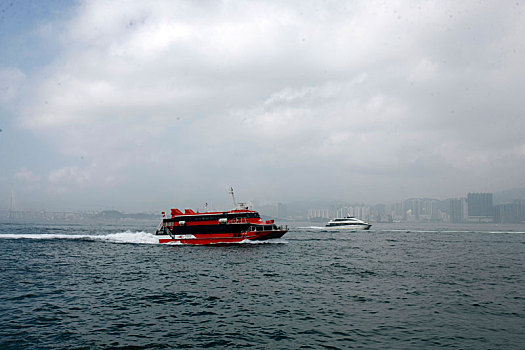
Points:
[(11, 201), (470, 208)]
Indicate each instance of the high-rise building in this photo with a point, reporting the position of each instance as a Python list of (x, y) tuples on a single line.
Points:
[(521, 204), (282, 210), (422, 209), (457, 210), (317, 214), (507, 213), (480, 207)]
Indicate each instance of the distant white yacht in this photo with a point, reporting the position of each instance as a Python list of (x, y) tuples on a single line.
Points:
[(349, 223)]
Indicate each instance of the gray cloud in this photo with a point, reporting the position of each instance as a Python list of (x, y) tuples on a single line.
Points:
[(360, 101)]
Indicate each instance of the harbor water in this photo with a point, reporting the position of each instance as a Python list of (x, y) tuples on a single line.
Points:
[(397, 286)]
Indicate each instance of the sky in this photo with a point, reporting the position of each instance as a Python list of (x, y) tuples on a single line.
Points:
[(146, 105)]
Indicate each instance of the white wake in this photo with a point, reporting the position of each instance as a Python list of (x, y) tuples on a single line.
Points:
[(139, 237), (119, 237)]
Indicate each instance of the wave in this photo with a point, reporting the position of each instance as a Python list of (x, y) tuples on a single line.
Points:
[(319, 229), (139, 237), (450, 231)]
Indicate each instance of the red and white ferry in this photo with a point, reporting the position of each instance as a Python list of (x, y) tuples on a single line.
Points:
[(219, 227)]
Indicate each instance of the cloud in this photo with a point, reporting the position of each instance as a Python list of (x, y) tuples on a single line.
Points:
[(279, 94), (70, 175), (11, 80), (423, 71), (26, 176)]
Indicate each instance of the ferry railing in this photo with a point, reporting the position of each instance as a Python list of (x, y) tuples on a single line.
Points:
[(274, 228), (160, 228)]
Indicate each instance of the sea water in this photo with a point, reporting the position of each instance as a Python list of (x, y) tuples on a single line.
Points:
[(393, 287)]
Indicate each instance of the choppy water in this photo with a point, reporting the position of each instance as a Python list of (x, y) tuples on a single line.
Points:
[(110, 286)]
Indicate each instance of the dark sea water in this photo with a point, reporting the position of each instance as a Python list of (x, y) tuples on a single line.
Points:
[(394, 287)]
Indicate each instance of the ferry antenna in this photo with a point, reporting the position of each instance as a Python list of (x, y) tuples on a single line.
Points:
[(233, 197)]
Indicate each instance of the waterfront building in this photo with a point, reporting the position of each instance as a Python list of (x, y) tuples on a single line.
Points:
[(509, 213), (282, 210), (480, 207), (422, 210), (458, 209)]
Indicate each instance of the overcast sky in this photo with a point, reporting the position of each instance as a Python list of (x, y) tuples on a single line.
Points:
[(145, 105)]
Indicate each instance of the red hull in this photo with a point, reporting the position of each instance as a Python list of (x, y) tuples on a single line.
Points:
[(203, 239)]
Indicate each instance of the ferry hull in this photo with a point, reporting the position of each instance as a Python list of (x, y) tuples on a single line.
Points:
[(221, 238), (349, 227)]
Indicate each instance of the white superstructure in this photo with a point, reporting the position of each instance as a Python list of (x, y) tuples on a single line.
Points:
[(349, 222)]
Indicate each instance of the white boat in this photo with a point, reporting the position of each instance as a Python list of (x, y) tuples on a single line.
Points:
[(349, 223)]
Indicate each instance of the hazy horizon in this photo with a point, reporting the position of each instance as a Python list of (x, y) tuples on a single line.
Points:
[(141, 105), (506, 196)]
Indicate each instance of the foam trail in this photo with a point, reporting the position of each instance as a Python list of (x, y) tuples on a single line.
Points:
[(119, 237), (269, 241), (130, 237)]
